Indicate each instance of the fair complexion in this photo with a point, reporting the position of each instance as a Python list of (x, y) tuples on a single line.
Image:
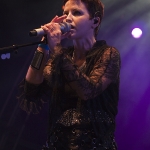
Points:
[(82, 34), (82, 31), (36, 76)]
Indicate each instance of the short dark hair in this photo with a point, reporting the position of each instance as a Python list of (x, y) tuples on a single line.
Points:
[(95, 9)]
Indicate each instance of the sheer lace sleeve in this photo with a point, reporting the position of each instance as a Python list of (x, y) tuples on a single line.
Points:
[(104, 72), (32, 96)]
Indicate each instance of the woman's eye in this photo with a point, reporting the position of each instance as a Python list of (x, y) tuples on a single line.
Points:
[(77, 13)]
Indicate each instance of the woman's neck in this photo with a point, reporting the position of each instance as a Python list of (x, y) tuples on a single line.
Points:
[(81, 47)]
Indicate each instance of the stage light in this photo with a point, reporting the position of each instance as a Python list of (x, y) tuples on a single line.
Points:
[(5, 56), (136, 33)]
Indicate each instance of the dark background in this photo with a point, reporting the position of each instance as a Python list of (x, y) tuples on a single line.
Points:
[(19, 131)]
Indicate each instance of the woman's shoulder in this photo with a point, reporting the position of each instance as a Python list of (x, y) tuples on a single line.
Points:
[(101, 44)]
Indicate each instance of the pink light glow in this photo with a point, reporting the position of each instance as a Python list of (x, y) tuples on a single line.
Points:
[(136, 33)]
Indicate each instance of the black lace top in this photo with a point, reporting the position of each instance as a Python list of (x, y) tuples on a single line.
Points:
[(78, 95)]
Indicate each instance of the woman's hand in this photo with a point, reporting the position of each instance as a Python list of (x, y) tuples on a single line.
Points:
[(54, 35)]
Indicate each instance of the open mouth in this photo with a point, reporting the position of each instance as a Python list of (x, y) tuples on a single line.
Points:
[(72, 27)]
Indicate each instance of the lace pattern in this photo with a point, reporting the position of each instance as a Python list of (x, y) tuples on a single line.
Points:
[(86, 84), (73, 117), (76, 138), (105, 71)]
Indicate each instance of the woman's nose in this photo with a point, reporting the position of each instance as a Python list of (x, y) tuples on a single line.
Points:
[(69, 19)]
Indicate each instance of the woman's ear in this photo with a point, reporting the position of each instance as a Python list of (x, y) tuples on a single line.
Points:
[(96, 20)]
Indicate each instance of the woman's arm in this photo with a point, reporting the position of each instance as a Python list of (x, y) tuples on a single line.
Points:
[(54, 37), (105, 71), (35, 76)]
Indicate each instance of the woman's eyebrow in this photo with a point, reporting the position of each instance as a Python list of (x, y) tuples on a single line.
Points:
[(72, 9)]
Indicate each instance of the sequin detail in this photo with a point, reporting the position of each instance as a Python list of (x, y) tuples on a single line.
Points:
[(72, 117)]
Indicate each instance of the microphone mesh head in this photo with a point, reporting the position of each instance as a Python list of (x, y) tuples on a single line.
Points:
[(65, 27)]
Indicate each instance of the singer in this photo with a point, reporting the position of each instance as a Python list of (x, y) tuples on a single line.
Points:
[(80, 83)]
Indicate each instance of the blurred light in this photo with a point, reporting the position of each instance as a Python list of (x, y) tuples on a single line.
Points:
[(136, 33), (5, 56)]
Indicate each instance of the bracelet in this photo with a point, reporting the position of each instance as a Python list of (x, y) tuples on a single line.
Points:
[(37, 60), (44, 46)]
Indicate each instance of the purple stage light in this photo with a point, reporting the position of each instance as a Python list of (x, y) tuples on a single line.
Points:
[(136, 33)]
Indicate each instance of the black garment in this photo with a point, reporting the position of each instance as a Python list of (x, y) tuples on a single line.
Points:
[(83, 98)]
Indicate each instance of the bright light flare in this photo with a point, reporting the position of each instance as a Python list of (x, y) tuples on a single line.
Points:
[(136, 33)]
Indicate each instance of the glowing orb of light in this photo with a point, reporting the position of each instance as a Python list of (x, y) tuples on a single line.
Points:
[(136, 33)]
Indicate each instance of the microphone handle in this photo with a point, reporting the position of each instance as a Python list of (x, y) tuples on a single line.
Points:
[(37, 32), (64, 27)]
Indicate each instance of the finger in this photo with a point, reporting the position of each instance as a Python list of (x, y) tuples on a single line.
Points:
[(57, 19), (46, 30), (60, 19), (53, 26), (49, 25), (54, 19)]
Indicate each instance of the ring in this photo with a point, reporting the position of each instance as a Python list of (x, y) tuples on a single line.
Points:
[(51, 29)]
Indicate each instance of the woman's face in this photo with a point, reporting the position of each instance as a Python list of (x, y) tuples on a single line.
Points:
[(79, 18)]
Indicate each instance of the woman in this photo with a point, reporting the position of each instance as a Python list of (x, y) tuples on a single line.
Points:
[(81, 81)]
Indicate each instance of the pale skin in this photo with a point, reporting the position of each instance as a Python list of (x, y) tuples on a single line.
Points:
[(82, 34)]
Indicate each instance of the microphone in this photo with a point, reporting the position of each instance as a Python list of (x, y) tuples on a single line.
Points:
[(64, 27)]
